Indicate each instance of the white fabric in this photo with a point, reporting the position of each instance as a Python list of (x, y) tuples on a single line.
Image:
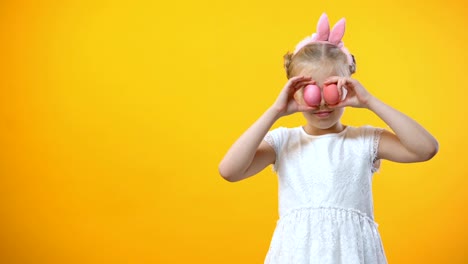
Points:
[(325, 197)]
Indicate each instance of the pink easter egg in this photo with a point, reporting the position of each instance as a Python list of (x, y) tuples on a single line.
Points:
[(330, 94), (312, 95)]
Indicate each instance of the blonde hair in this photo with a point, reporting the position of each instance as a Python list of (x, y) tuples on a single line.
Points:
[(318, 58)]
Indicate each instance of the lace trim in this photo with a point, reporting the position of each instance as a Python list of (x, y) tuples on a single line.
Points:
[(349, 210), (269, 139), (375, 149)]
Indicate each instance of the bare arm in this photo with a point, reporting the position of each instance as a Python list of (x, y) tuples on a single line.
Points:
[(250, 154), (247, 156), (410, 143)]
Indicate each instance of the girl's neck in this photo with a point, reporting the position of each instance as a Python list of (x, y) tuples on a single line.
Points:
[(311, 130)]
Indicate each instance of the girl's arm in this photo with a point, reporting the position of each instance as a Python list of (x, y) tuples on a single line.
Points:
[(410, 143), (250, 154)]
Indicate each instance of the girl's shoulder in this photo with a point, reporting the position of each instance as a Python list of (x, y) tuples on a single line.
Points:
[(280, 135), (285, 132), (366, 140), (363, 131)]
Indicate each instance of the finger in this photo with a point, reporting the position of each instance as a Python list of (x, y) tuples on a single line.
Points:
[(297, 79), (305, 83), (300, 78), (344, 93), (340, 92), (302, 84), (348, 82), (294, 88), (293, 80), (339, 85)]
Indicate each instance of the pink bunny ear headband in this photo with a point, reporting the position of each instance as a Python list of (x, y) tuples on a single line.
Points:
[(325, 35)]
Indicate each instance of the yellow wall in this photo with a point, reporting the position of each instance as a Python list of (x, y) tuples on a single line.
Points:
[(115, 114)]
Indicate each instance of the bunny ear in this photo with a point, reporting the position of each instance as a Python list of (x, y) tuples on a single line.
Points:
[(323, 28), (337, 32), (314, 37)]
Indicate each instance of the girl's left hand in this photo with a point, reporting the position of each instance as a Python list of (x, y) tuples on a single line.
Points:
[(356, 96)]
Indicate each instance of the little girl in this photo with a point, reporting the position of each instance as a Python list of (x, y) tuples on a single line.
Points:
[(324, 167)]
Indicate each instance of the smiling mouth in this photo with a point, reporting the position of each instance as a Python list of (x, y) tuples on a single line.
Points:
[(323, 113)]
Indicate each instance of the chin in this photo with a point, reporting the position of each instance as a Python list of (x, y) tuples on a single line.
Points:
[(324, 124)]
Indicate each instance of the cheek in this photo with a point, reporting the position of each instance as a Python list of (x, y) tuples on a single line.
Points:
[(338, 112)]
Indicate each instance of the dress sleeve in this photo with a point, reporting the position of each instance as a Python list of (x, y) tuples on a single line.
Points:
[(275, 138), (372, 140)]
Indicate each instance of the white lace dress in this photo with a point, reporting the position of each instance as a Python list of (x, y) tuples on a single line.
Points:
[(325, 197)]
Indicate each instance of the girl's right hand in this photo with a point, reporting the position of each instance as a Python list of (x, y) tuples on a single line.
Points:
[(286, 104)]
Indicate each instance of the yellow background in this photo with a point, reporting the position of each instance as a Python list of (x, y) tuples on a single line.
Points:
[(114, 116)]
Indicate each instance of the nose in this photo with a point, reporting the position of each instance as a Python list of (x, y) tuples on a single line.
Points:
[(323, 104)]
